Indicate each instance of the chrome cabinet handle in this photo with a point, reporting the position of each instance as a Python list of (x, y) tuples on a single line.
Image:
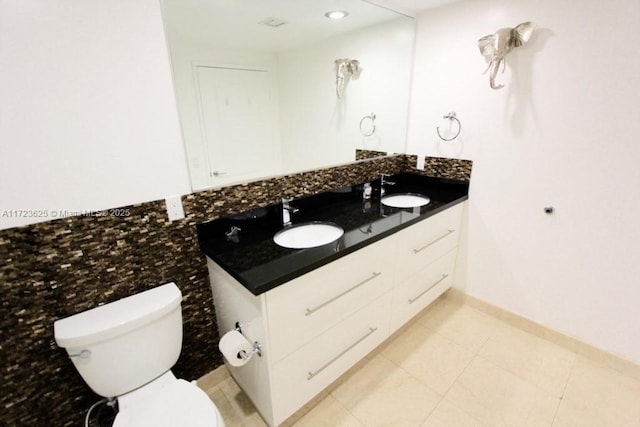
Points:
[(412, 300), (309, 311), (415, 251), (218, 173), (342, 353)]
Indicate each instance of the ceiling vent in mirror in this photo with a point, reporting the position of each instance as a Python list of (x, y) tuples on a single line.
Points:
[(273, 22)]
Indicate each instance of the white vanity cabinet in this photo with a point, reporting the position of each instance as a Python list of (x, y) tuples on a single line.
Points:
[(315, 327), (300, 310), (304, 373), (425, 258)]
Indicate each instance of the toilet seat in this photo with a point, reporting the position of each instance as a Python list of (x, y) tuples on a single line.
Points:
[(178, 403)]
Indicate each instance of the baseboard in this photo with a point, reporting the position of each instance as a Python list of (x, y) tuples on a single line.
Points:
[(599, 356)]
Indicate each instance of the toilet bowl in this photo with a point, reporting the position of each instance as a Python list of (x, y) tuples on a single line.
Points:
[(167, 401), (125, 350)]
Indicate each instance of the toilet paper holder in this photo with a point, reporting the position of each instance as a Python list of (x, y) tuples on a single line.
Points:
[(257, 347)]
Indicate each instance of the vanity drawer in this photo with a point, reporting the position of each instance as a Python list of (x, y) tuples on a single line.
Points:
[(421, 244), (421, 289), (303, 374), (300, 310)]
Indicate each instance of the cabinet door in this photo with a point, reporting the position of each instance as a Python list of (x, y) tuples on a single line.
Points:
[(300, 310), (300, 376), (421, 244), (421, 289)]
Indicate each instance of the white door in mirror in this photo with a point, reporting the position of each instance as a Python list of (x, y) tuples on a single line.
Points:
[(237, 114)]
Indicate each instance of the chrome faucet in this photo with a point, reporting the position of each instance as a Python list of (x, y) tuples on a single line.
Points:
[(383, 182), (232, 234), (287, 210)]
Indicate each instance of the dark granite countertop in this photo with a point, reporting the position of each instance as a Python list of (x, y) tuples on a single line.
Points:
[(260, 264)]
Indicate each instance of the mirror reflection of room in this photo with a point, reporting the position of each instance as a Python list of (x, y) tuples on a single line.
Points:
[(273, 87)]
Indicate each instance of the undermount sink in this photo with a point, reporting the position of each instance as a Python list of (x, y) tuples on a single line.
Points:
[(308, 235), (405, 200)]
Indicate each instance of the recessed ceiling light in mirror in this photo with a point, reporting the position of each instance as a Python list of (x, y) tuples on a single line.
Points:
[(336, 14)]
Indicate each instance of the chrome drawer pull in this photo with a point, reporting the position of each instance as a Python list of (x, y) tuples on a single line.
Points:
[(309, 311), (415, 251), (412, 300), (326, 365)]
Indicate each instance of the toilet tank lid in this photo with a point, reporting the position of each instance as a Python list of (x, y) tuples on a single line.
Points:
[(116, 318)]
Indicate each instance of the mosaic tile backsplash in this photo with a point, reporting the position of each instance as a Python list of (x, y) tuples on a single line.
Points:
[(442, 167), (58, 268), (368, 154)]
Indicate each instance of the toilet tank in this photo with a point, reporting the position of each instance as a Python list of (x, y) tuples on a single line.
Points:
[(123, 345)]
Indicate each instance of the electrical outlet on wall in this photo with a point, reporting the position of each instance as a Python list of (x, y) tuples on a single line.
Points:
[(175, 210), (420, 163)]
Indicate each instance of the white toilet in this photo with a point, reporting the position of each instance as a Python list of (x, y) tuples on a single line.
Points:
[(126, 349)]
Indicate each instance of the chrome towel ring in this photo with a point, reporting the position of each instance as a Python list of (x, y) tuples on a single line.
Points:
[(450, 116)]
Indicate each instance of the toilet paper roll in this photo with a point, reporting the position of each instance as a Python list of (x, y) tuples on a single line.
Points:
[(233, 345)]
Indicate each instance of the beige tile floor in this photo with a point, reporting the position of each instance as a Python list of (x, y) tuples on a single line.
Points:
[(455, 366)]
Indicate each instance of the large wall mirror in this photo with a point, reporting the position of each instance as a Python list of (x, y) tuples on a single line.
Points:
[(268, 87)]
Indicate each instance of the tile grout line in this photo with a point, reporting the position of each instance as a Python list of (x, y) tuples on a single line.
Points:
[(449, 389), (516, 374), (330, 394), (475, 356), (381, 355), (443, 395), (564, 390), (421, 382)]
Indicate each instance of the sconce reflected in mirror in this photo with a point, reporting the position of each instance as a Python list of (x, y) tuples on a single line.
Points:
[(345, 68)]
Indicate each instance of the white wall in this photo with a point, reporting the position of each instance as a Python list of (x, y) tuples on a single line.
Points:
[(385, 55), (564, 132), (88, 117)]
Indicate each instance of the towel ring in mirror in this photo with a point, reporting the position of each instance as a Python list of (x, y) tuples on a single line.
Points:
[(372, 127), (450, 116)]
